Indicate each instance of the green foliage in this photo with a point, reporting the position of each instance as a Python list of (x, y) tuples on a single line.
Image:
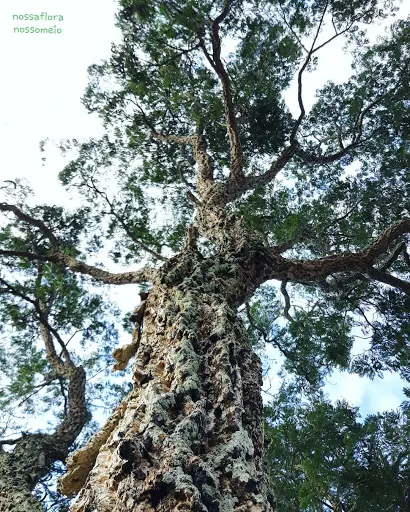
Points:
[(158, 86), (81, 317), (322, 457), (311, 343)]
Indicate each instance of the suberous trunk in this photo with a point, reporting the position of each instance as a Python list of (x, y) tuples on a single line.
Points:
[(19, 473), (34, 454), (190, 434)]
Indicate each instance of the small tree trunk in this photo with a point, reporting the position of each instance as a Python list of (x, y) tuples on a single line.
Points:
[(190, 435), (33, 455), (20, 471)]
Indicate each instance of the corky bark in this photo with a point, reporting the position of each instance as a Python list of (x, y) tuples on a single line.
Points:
[(191, 433), (33, 454), (20, 471)]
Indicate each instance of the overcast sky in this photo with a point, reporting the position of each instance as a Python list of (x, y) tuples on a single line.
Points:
[(44, 77)]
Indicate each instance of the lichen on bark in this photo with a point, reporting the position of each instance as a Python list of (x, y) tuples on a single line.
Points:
[(187, 439)]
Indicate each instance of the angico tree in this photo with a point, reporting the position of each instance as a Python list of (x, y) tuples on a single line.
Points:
[(205, 189)]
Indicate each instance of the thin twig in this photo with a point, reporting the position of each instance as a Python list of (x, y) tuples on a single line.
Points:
[(300, 74), (123, 224)]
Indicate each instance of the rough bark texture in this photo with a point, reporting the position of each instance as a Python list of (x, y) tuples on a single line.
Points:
[(19, 472), (190, 435), (33, 454)]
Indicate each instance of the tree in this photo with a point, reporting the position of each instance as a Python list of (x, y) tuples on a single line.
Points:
[(43, 309), (205, 138), (322, 457)]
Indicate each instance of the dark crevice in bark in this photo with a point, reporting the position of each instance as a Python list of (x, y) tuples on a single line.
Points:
[(188, 437)]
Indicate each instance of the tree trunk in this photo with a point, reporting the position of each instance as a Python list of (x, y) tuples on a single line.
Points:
[(34, 454), (190, 434), (20, 471)]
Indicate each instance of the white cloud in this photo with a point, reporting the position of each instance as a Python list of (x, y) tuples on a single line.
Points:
[(345, 386), (370, 395)]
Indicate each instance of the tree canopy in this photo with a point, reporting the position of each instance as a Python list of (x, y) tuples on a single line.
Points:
[(199, 138), (323, 457)]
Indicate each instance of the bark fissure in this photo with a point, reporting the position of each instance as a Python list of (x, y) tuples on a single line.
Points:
[(186, 439)]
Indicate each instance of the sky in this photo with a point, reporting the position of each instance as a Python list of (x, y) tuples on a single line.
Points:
[(44, 77)]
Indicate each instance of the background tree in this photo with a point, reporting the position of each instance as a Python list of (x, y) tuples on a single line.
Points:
[(204, 137), (53, 331), (323, 458)]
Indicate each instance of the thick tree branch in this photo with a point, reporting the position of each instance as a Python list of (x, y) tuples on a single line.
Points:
[(197, 141), (81, 462), (188, 185), (9, 441), (309, 158), (4, 207), (192, 197), (34, 454), (77, 416), (285, 294), (280, 248), (386, 278), (386, 238), (30, 256), (179, 139), (237, 189), (202, 158), (236, 153), (143, 275), (205, 174), (317, 270), (46, 329), (225, 11), (54, 360), (140, 276), (393, 256), (406, 256)]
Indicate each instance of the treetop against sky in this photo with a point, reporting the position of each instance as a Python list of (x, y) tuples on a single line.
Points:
[(202, 167)]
